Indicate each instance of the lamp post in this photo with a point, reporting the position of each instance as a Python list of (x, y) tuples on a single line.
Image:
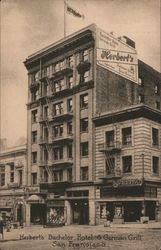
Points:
[(143, 205)]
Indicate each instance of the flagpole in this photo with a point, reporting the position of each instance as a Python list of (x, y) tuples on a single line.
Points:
[(65, 18)]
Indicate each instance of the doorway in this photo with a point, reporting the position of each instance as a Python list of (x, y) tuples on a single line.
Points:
[(80, 212), (20, 214), (38, 214), (150, 209), (132, 211)]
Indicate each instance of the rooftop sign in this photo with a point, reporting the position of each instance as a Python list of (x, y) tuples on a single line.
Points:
[(117, 56)]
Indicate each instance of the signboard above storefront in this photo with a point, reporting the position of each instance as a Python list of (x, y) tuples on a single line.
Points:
[(115, 55), (127, 182)]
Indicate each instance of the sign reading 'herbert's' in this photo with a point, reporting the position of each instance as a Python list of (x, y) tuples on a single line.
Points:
[(116, 56)]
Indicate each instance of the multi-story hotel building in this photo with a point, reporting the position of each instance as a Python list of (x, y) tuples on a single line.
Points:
[(94, 132), (12, 184)]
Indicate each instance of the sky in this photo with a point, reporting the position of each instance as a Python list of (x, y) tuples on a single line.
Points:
[(30, 25)]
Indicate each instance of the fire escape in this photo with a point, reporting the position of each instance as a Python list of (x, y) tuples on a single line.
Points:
[(111, 149), (48, 118)]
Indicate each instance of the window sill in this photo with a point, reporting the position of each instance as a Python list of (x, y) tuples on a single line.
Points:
[(83, 108), (82, 132), (84, 156)]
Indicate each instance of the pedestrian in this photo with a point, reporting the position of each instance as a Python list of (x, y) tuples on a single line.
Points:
[(108, 218), (1, 226)]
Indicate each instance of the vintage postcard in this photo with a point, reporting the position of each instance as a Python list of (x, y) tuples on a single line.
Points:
[(80, 141)]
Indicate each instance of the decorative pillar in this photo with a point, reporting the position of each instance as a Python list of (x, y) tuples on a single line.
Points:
[(28, 208), (68, 212), (92, 212)]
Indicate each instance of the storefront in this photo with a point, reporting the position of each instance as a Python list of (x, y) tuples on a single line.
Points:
[(127, 201), (55, 213)]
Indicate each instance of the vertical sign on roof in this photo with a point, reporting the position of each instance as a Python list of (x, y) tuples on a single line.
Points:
[(117, 56)]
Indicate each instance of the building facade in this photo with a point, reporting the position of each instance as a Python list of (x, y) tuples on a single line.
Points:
[(87, 95), (12, 184)]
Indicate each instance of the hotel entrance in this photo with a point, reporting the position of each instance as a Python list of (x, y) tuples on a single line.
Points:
[(80, 212), (38, 214)]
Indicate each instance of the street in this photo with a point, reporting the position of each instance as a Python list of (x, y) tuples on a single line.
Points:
[(83, 237)]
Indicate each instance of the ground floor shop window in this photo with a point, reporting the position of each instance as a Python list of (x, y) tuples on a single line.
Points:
[(56, 216)]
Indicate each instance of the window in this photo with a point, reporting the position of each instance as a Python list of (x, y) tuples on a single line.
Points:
[(155, 165), (126, 136), (58, 108), (46, 133), (34, 95), (70, 82), (34, 116), (45, 176), (70, 151), (34, 178), (62, 65), (12, 172), (156, 89), (84, 173), (69, 174), (155, 137), (34, 157), (59, 66), (20, 177), (85, 77), (45, 156), (157, 105), (84, 125), (58, 175), (110, 138), (85, 55), (84, 149), (110, 165), (58, 130), (69, 128), (127, 164), (34, 137), (70, 61), (141, 98), (58, 153), (70, 105), (46, 110), (59, 85), (84, 101), (2, 175)]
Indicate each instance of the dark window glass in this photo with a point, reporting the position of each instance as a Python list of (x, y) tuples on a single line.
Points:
[(155, 165), (34, 157), (34, 116), (34, 137), (84, 101), (84, 125), (84, 149), (69, 128), (34, 178), (155, 137), (127, 164), (70, 151), (126, 136), (84, 173), (12, 172), (110, 138)]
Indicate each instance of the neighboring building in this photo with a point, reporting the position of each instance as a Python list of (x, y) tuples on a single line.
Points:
[(12, 183), (93, 111)]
